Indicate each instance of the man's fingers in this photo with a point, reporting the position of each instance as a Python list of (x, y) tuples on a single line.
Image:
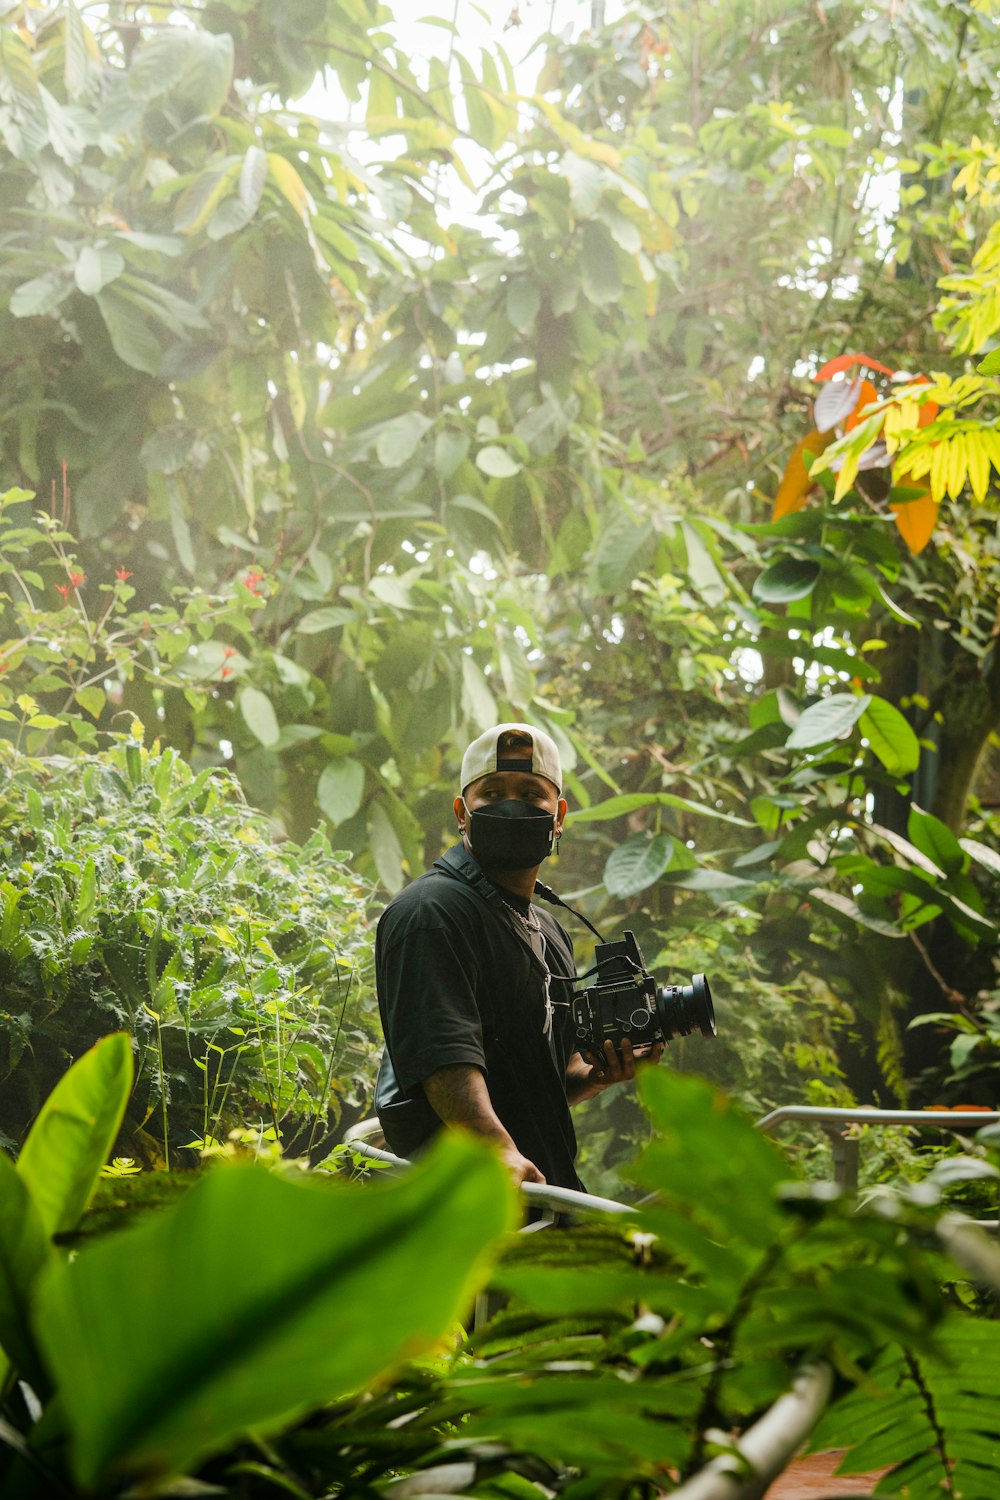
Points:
[(628, 1059)]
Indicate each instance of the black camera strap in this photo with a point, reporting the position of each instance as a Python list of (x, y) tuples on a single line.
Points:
[(548, 894)]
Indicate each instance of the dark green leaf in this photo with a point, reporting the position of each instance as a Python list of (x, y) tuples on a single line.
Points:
[(936, 840), (24, 1252), (787, 579)]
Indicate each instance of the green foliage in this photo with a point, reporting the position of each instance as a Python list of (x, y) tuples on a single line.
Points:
[(615, 1360), (64, 668), (139, 895), (620, 1360)]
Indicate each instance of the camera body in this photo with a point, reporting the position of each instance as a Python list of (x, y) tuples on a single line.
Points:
[(625, 1001)]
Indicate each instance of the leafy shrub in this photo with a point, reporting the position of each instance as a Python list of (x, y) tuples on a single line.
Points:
[(140, 896)]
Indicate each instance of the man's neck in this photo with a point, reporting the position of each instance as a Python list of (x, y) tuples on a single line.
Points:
[(518, 882)]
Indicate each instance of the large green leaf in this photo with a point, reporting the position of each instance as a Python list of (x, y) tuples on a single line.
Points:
[(259, 716), (637, 863), (340, 789), (845, 907), (399, 439), (709, 1158), (827, 720), (621, 551), (96, 266), (256, 1298), (628, 802), (600, 272), (40, 296), (24, 1252), (935, 840), (131, 336), (982, 854), (69, 1142), (387, 851), (497, 462), (890, 736)]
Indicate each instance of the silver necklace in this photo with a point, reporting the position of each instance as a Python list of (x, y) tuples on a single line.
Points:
[(536, 941)]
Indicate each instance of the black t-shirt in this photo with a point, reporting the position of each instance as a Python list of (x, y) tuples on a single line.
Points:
[(457, 984)]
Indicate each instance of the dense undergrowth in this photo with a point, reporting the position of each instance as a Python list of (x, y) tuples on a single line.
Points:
[(138, 895)]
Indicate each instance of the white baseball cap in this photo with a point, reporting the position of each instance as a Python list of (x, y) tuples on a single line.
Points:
[(484, 756)]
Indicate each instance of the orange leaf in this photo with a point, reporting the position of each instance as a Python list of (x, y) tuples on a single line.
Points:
[(845, 361), (795, 482), (916, 520), (866, 394)]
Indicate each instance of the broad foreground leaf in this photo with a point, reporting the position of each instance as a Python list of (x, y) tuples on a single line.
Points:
[(257, 1298), (69, 1142)]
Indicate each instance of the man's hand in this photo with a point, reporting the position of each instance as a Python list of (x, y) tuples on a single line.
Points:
[(520, 1168), (588, 1073)]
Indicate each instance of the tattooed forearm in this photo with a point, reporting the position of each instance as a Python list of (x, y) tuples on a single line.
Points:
[(459, 1096)]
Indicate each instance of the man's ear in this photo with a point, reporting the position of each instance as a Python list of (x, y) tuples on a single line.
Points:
[(561, 812), (460, 813)]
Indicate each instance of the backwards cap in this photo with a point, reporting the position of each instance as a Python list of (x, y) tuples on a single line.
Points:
[(485, 756)]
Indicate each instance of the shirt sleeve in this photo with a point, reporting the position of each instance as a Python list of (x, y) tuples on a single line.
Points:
[(427, 978)]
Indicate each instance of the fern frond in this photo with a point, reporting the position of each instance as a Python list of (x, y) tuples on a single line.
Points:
[(934, 1418)]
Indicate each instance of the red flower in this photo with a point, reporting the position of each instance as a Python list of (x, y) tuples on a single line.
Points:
[(229, 651), (253, 580), (122, 574), (226, 672), (63, 588), (76, 578)]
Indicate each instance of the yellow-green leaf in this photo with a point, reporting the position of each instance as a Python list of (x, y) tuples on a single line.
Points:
[(290, 185), (939, 470), (979, 463), (956, 465)]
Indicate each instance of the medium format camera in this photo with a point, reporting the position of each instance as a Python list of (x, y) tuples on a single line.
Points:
[(625, 1001)]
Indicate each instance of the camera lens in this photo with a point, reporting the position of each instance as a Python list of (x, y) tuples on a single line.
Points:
[(683, 1008)]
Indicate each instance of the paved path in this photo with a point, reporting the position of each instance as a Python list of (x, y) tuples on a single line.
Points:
[(812, 1478)]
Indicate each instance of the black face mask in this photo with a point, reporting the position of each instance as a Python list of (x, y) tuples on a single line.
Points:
[(511, 835)]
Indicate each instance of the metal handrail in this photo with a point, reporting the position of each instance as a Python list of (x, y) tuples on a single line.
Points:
[(846, 1149), (954, 1119), (768, 1446)]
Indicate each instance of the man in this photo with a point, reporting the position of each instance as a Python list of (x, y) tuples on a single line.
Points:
[(474, 981)]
